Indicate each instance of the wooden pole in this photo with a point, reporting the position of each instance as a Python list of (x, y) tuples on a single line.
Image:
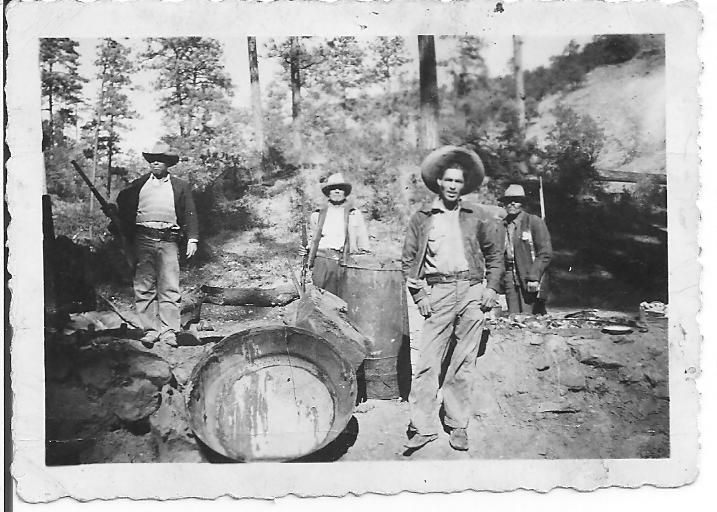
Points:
[(520, 101)]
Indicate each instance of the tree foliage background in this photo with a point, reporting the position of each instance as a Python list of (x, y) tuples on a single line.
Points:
[(340, 104)]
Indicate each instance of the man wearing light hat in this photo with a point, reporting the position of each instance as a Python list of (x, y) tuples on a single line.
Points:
[(337, 230), (451, 247), (157, 212), (527, 255)]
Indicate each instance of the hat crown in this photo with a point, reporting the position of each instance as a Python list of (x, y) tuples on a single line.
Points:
[(160, 148), (335, 179), (514, 190)]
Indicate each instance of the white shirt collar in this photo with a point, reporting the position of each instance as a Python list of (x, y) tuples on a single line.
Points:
[(165, 179), (438, 205)]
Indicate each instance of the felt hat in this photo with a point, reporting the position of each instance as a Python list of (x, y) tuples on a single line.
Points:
[(336, 180), (163, 153), (514, 192), (445, 157)]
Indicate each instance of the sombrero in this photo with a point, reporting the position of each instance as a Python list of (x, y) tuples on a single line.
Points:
[(163, 153), (445, 157), (336, 181)]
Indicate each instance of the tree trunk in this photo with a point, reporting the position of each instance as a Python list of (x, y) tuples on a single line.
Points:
[(95, 155), (520, 101), (295, 68), (256, 99), (428, 131), (267, 297), (52, 114), (110, 150)]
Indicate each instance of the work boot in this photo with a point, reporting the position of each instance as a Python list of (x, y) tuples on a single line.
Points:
[(149, 339), (459, 439), (169, 338), (419, 440)]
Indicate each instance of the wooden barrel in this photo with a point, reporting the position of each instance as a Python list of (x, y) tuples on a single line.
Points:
[(270, 393), (374, 292)]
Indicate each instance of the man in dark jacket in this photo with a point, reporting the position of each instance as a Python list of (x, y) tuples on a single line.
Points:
[(451, 246), (527, 254), (158, 213)]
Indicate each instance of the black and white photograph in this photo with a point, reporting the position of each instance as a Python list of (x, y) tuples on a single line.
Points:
[(307, 249)]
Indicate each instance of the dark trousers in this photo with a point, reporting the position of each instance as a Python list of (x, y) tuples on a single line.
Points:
[(327, 274), (519, 301)]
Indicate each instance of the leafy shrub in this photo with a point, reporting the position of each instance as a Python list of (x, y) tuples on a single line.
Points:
[(573, 147)]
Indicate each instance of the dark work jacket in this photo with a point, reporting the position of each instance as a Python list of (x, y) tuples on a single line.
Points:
[(532, 250), (128, 201), (482, 244)]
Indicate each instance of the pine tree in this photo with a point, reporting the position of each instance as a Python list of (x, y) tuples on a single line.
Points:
[(61, 87), (208, 133), (112, 107), (192, 76)]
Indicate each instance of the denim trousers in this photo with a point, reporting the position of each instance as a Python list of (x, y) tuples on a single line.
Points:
[(456, 314), (156, 284)]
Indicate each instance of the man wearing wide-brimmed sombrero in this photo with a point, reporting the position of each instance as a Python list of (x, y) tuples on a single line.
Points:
[(158, 214), (337, 230), (452, 247)]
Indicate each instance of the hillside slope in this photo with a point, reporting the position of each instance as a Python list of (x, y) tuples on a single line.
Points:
[(628, 102)]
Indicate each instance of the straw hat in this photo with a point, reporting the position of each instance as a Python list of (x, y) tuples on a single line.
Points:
[(336, 180), (514, 192), (443, 158), (163, 153)]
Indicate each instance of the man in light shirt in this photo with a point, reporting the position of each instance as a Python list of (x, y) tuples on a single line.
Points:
[(158, 214), (337, 230), (451, 246)]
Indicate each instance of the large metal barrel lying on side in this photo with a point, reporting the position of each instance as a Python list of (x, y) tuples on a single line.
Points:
[(271, 393), (375, 294)]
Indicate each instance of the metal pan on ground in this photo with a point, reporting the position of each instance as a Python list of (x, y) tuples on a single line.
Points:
[(617, 329), (270, 393)]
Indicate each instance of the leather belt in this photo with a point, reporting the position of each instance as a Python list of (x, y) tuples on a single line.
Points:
[(452, 277), (166, 234)]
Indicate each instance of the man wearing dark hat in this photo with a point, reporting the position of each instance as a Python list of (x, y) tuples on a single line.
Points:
[(527, 255), (451, 246), (157, 213), (338, 229)]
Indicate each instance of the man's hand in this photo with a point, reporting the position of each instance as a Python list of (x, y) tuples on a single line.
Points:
[(487, 299), (110, 210), (303, 251), (191, 248), (424, 306), (532, 286)]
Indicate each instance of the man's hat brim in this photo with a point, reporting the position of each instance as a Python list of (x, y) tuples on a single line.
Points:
[(506, 199), (327, 188), (168, 159), (445, 157)]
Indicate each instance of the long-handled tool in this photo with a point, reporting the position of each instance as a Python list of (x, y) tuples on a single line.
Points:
[(111, 213)]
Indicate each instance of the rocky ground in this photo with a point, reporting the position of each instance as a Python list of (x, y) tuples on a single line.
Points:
[(557, 388), (550, 389)]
